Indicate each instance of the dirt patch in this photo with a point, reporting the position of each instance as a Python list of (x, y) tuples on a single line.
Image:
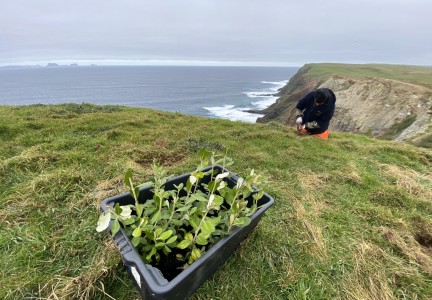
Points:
[(160, 155), (194, 145), (424, 239), (410, 248), (423, 236), (161, 143)]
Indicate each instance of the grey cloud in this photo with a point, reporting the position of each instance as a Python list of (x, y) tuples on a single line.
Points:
[(294, 32)]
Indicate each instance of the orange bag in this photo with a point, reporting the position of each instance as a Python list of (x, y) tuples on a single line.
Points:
[(323, 135)]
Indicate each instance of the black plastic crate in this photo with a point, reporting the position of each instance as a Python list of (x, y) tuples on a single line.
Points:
[(148, 279)]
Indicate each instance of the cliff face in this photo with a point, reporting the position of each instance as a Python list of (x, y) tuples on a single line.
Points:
[(377, 106)]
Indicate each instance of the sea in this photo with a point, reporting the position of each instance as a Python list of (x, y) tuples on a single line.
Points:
[(224, 92)]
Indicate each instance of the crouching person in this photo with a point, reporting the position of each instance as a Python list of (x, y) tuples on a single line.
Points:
[(314, 112)]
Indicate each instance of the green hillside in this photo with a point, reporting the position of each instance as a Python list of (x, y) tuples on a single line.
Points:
[(413, 74), (352, 217)]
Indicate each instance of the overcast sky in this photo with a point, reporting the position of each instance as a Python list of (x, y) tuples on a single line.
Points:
[(269, 32)]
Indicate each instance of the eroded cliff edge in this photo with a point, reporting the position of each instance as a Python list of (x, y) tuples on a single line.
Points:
[(381, 107)]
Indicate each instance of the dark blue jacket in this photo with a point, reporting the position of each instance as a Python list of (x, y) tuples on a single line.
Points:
[(321, 114)]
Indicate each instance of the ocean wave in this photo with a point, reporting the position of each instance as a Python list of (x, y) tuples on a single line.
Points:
[(264, 103), (232, 113), (269, 91), (259, 94), (282, 82)]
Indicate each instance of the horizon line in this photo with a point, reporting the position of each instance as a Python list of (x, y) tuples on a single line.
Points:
[(174, 62), (142, 62)]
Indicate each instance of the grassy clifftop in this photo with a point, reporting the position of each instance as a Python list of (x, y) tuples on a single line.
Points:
[(412, 74), (352, 218)]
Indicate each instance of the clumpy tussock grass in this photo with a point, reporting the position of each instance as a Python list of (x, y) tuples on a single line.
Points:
[(352, 217)]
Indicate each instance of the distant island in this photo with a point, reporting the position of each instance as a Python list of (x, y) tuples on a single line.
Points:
[(57, 65), (51, 65)]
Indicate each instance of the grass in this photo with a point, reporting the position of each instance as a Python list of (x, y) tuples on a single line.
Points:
[(352, 218), (414, 74)]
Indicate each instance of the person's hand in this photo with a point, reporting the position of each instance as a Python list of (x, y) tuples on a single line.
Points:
[(300, 127)]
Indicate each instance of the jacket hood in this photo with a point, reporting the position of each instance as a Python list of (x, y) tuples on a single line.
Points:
[(326, 94)]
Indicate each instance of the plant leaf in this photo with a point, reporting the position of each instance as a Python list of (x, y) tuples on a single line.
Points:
[(156, 217), (208, 227), (222, 175), (218, 201), (184, 208), (167, 250), (221, 185), (145, 184), (137, 232), (189, 236), (194, 221), (193, 179), (242, 222), (196, 253), (204, 154), (128, 178), (232, 218), (139, 209), (184, 244), (117, 209), (126, 211), (199, 197), (171, 240), (115, 227), (165, 235), (214, 220), (240, 182), (210, 201), (128, 221), (229, 195), (135, 241), (158, 232), (134, 191), (103, 221), (179, 187), (201, 240), (159, 245), (258, 195), (152, 252)]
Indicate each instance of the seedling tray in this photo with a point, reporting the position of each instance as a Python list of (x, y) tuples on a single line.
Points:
[(149, 281)]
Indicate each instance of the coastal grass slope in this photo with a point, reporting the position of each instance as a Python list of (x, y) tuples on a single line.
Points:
[(352, 217), (421, 75)]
